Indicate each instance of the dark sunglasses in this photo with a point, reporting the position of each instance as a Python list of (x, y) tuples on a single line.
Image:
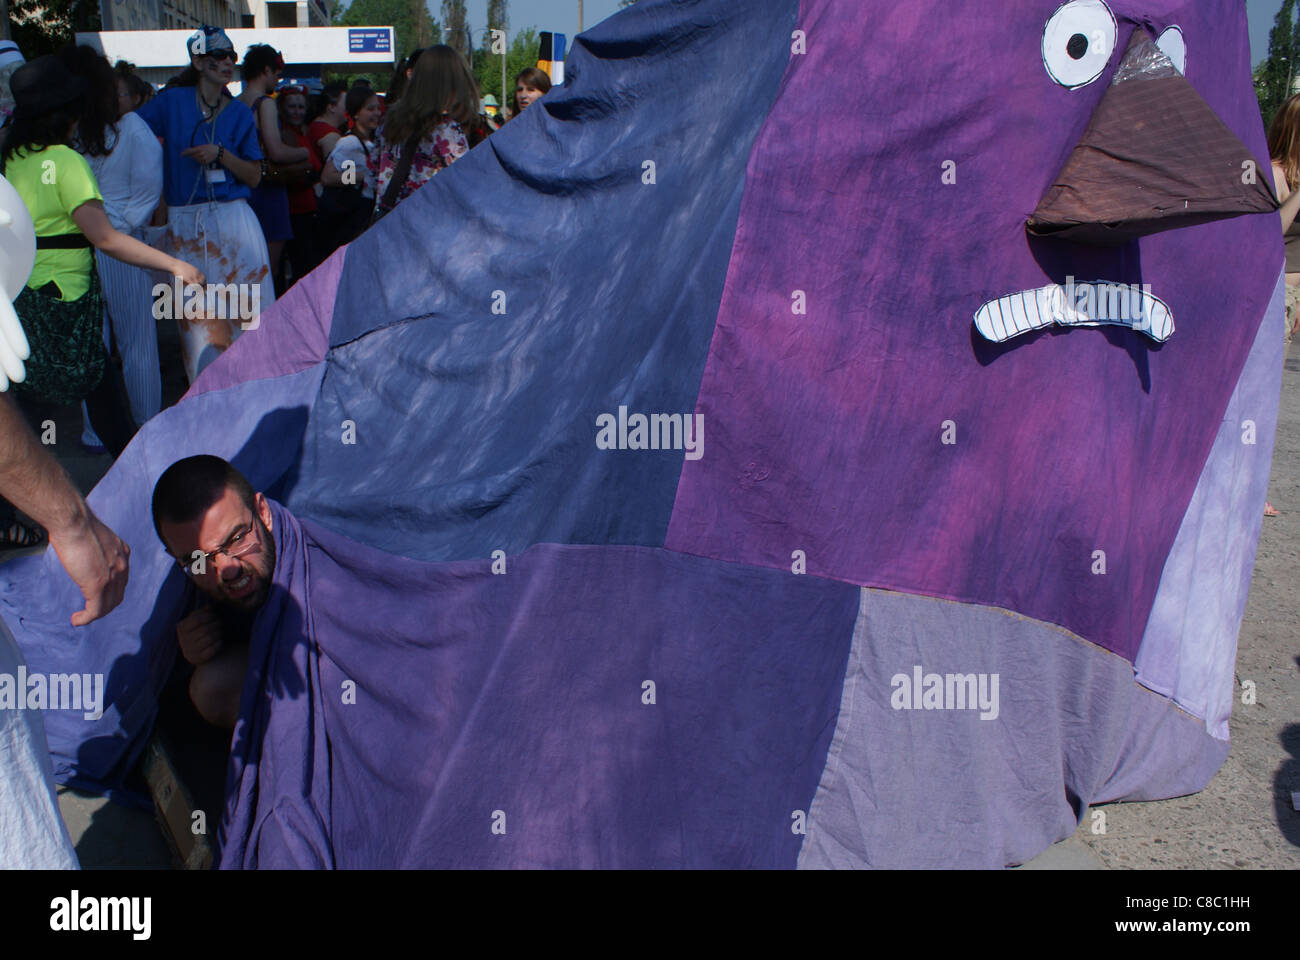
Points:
[(224, 55)]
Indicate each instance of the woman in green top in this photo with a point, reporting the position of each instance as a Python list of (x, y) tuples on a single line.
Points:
[(60, 307)]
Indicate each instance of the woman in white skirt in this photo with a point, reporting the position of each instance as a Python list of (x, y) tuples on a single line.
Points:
[(211, 160)]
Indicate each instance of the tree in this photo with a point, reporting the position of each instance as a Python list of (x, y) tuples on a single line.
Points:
[(454, 27), (1275, 77), (626, 3), (43, 26), (521, 53), (498, 18)]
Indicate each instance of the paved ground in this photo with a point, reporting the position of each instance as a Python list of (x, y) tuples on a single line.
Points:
[(1243, 819)]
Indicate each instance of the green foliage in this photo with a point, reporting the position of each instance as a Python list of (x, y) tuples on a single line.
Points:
[(521, 53), (43, 26), (455, 29), (1276, 75)]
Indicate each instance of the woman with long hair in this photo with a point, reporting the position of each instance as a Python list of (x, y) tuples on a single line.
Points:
[(348, 197), (1284, 151), (211, 162), (531, 84), (126, 160), (426, 127)]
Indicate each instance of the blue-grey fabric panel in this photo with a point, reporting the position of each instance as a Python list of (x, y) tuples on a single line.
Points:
[(909, 788), (1190, 643), (543, 280)]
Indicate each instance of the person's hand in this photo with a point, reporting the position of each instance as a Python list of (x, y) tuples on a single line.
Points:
[(97, 561), (199, 635), (188, 273), (203, 154)]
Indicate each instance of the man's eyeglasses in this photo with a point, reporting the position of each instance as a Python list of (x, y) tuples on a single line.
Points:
[(223, 55), (241, 543)]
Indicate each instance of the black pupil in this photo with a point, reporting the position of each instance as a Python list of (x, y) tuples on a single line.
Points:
[(1077, 46)]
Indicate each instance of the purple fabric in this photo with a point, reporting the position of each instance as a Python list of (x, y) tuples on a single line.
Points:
[(293, 333), (824, 428), (970, 792), (523, 692), (1190, 644)]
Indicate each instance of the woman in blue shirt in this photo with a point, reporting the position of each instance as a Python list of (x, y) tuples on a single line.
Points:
[(211, 160)]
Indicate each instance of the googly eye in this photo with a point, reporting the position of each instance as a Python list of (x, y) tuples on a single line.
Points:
[(1078, 41), (1173, 46)]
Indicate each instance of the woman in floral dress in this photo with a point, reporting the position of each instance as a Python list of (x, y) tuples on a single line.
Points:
[(440, 101)]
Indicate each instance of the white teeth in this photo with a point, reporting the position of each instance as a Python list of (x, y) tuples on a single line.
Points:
[(1077, 305)]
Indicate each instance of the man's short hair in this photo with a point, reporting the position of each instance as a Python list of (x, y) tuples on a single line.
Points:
[(257, 58), (188, 487)]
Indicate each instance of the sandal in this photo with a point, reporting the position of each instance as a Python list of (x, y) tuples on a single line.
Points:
[(1270, 510), (19, 536)]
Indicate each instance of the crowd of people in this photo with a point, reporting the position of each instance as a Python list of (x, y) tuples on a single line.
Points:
[(127, 187)]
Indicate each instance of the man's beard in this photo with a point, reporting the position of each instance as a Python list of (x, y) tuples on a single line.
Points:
[(258, 597)]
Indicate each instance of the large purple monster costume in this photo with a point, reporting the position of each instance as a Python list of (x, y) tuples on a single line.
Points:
[(914, 576)]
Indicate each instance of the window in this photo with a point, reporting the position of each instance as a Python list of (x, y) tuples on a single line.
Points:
[(281, 14)]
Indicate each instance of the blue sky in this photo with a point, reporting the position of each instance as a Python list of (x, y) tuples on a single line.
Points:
[(1260, 14), (558, 16)]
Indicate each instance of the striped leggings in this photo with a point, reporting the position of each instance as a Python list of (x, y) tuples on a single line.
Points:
[(128, 306), (128, 303)]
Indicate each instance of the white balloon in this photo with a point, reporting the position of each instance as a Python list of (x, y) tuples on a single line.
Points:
[(17, 256), (14, 348)]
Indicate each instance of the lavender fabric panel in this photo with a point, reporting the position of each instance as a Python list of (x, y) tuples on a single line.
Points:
[(942, 787), (524, 693), (1190, 644), (292, 334), (825, 427), (253, 426)]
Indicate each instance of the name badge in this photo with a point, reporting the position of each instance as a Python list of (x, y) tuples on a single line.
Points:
[(215, 174)]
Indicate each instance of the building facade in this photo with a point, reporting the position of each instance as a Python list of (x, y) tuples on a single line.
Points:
[(190, 14)]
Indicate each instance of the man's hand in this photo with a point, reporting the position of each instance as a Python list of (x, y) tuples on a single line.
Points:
[(203, 154), (199, 635), (97, 561)]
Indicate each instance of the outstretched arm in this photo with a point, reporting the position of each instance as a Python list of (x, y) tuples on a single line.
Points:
[(91, 553)]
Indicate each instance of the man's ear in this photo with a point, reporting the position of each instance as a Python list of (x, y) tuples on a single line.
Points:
[(167, 546), (263, 510)]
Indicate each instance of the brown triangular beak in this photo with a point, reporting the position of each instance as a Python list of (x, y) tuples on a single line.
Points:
[(1155, 156)]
